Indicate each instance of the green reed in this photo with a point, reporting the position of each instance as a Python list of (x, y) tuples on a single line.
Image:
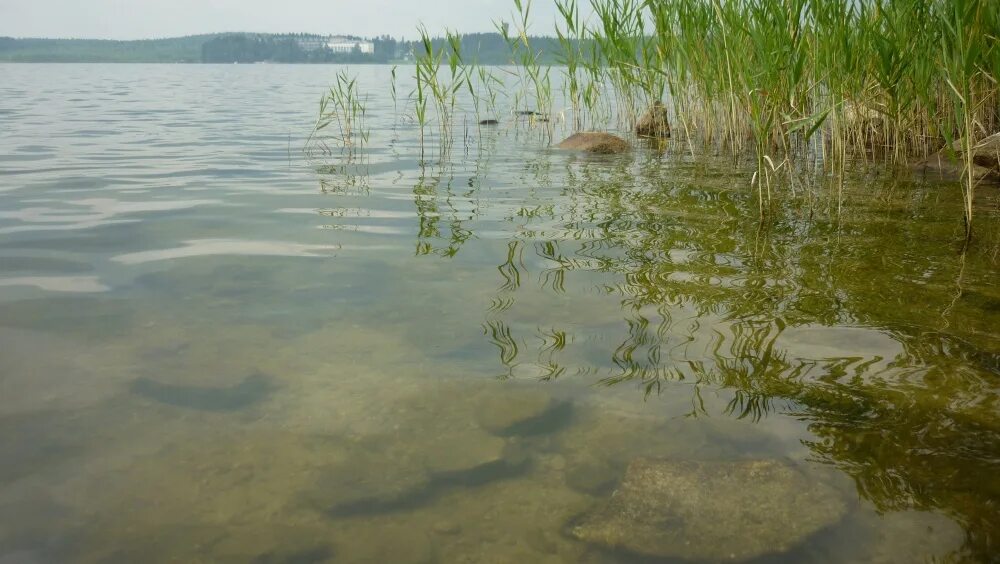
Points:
[(794, 80), (441, 73), (534, 78), (342, 109)]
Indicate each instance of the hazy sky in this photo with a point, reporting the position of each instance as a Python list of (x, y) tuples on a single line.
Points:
[(136, 19)]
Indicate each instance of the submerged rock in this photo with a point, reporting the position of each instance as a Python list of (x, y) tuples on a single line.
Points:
[(914, 536), (710, 510), (593, 477), (595, 142), (447, 528), (655, 122), (519, 411), (384, 478), (367, 482), (464, 453), (253, 389), (318, 555)]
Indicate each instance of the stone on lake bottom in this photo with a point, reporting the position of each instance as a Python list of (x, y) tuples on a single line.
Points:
[(447, 528), (513, 411), (462, 453), (593, 477), (254, 389), (710, 510)]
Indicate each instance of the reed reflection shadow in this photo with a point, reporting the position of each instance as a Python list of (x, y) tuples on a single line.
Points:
[(712, 300)]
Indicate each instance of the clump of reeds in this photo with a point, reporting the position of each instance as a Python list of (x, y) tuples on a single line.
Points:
[(341, 119), (889, 80), (441, 73)]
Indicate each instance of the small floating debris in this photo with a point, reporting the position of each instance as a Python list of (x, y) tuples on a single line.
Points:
[(252, 390), (489, 122)]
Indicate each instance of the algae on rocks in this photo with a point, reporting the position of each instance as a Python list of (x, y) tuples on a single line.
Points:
[(710, 510)]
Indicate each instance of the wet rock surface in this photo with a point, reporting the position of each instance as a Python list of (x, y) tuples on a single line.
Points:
[(595, 142), (713, 511), (654, 123), (948, 163), (943, 166), (985, 153)]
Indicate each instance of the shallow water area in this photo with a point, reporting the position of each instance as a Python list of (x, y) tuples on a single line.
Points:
[(215, 349)]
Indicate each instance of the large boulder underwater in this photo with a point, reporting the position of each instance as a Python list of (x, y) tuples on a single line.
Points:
[(710, 511)]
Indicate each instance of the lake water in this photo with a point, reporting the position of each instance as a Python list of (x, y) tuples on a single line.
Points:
[(215, 349)]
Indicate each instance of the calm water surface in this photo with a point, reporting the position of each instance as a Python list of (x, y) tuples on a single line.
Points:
[(214, 349)]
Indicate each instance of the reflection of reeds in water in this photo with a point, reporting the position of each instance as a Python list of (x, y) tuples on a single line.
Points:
[(511, 269), (499, 334), (346, 178), (434, 218)]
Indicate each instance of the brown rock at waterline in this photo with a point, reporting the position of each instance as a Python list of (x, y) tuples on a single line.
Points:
[(945, 167), (985, 153), (595, 142), (654, 123), (710, 511), (948, 163)]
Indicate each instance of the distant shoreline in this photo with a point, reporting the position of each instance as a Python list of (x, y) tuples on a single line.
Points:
[(200, 64), (254, 48)]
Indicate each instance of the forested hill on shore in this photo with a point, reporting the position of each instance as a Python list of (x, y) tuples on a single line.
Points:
[(485, 48)]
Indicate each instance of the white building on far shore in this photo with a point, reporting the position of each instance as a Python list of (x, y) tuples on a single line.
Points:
[(337, 44)]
